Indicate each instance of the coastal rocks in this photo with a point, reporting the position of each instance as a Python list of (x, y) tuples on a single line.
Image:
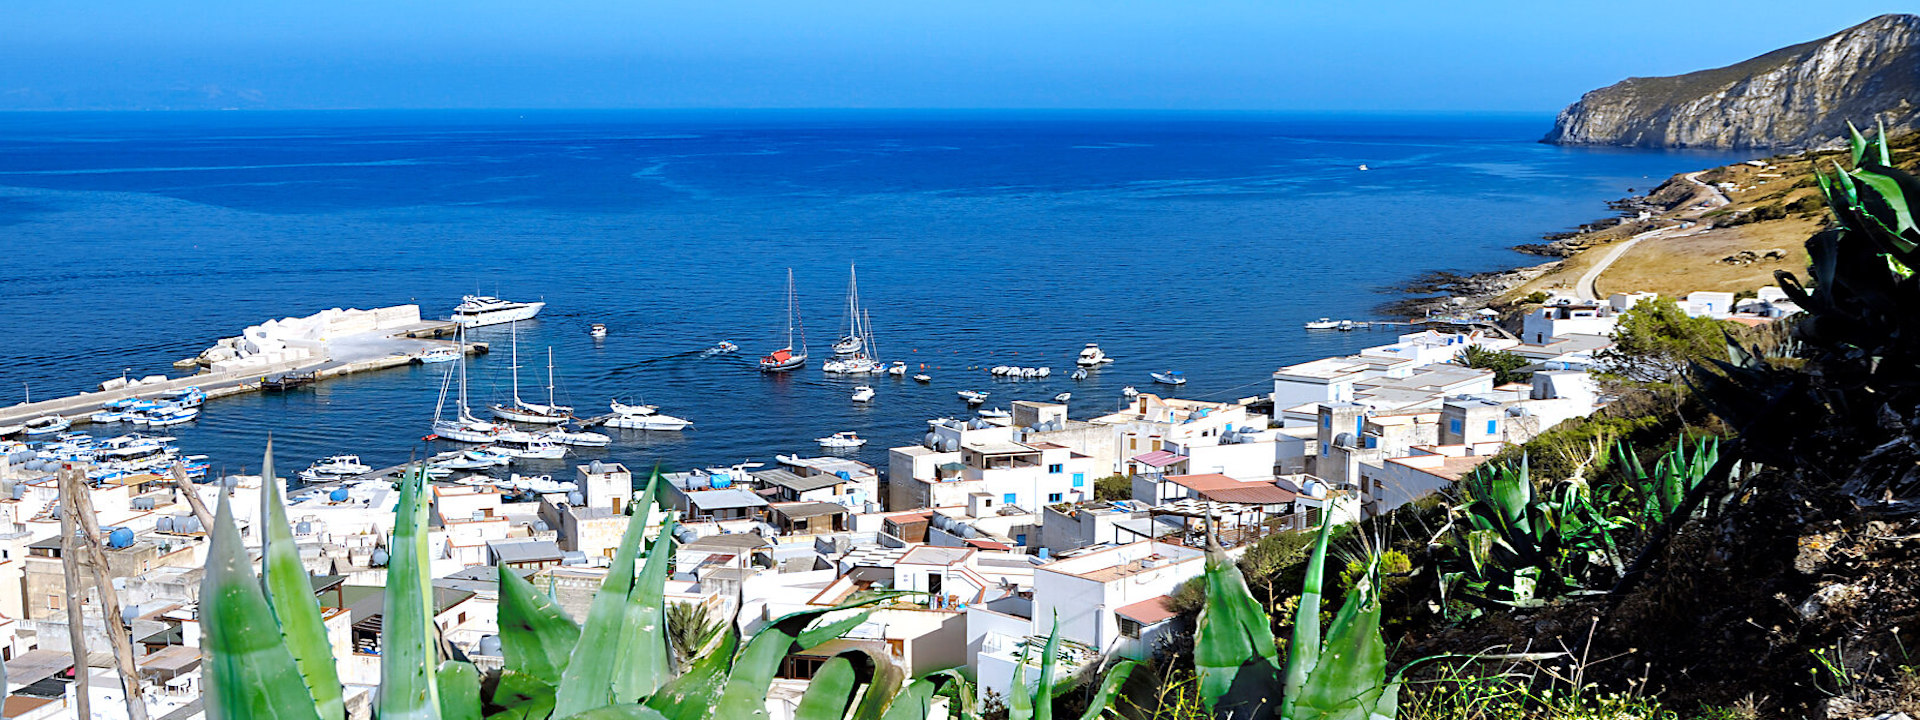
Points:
[(1796, 97)]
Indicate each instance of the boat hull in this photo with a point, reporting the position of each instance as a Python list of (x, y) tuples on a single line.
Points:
[(496, 316), (512, 414)]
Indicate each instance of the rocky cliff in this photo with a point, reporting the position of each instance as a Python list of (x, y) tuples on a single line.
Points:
[(1794, 97)]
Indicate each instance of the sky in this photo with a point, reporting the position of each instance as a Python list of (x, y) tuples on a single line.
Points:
[(1262, 55)]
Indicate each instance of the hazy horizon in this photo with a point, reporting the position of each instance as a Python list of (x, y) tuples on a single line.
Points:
[(1203, 56)]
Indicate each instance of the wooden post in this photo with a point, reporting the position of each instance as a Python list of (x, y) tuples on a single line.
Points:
[(70, 563), (120, 638), (193, 498)]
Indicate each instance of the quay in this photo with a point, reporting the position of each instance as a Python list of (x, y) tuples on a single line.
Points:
[(391, 347)]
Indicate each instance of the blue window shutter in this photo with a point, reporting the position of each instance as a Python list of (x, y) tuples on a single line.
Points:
[(1493, 427), (1454, 424), (1010, 499), (1079, 479)]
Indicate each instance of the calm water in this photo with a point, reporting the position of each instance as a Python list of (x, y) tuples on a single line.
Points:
[(1175, 241)]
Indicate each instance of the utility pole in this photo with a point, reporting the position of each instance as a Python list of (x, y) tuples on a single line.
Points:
[(74, 486), (70, 562)]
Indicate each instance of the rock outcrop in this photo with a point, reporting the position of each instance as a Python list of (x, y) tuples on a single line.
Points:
[(1793, 98)]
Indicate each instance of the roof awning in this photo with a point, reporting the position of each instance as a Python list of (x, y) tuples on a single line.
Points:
[(1159, 458), (1146, 612)]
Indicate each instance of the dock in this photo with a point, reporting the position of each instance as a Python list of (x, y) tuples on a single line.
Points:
[(394, 350)]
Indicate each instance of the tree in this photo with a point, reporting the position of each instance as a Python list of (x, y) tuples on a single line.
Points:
[(1505, 365), (1113, 487), (1655, 342)]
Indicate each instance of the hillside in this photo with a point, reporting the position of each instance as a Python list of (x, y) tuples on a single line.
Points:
[(1792, 98)]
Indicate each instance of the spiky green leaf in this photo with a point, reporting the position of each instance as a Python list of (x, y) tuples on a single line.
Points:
[(290, 593), (407, 648), (829, 693), (250, 674), (459, 690), (536, 636)]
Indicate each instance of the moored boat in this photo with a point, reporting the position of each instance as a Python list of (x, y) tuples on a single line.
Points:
[(1323, 324), (597, 331), (1091, 355), (923, 378), (46, 425), (973, 397), (863, 393), (480, 310), (1170, 377), (792, 356), (437, 355), (847, 439)]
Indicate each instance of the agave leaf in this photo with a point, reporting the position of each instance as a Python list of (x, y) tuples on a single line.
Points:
[(1880, 142), (536, 635), (1856, 144), (915, 702), (692, 695), (645, 663), (588, 680), (1234, 649), (1019, 696), (887, 678), (830, 692), (249, 672), (407, 687), (1888, 190), (459, 690), (1109, 688), (518, 695), (1347, 682), (1049, 656), (813, 637), (290, 593), (619, 712)]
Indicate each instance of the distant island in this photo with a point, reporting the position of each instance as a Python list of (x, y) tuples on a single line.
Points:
[(1794, 98)]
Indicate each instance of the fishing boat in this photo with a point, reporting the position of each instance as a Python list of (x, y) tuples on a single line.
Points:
[(481, 310), (171, 416), (897, 369), (6, 430), (1091, 355), (1170, 377), (1063, 397), (532, 413), (287, 381), (577, 438), (101, 418), (792, 356), (997, 413), (46, 425), (725, 347), (191, 397), (863, 393), (437, 355), (463, 426), (973, 397), (923, 378), (847, 439), (1079, 374), (597, 331), (643, 417), (1323, 324)]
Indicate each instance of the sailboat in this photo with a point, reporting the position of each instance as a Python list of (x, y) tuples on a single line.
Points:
[(526, 412), (463, 426), (857, 354), (792, 356)]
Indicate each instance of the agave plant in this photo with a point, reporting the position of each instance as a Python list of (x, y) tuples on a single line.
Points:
[(1517, 548), (1339, 677), (1658, 495), (266, 653)]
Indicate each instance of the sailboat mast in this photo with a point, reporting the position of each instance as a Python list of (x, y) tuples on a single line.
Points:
[(549, 377), (513, 332), (789, 308), (460, 339)]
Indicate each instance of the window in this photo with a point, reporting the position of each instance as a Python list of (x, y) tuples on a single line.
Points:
[(1020, 539), (1156, 446), (1323, 448), (54, 603), (1129, 627), (1454, 425), (933, 583), (1326, 421), (1133, 443), (1056, 468), (1493, 427), (1010, 499), (1313, 517), (1079, 479), (1054, 497)]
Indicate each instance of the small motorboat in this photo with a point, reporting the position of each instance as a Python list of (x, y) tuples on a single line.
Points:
[(1129, 392), (1063, 397), (1323, 324), (973, 397), (897, 369), (996, 413), (6, 430), (1170, 377), (1043, 372), (105, 416), (1091, 356), (847, 439), (597, 331), (1079, 374), (437, 355), (643, 417), (725, 347), (171, 416), (576, 438), (46, 425), (191, 397), (923, 378), (863, 393), (534, 448), (999, 370), (287, 381), (329, 469)]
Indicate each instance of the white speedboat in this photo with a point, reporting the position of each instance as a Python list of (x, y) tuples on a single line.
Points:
[(522, 411), (478, 310), (863, 393), (438, 355), (1091, 355), (477, 459), (847, 439), (1045, 371), (576, 438), (723, 348), (923, 378), (1323, 324), (643, 417), (1129, 392), (897, 369), (853, 365), (132, 446), (532, 448), (103, 417), (6, 430), (973, 397), (341, 465), (46, 425), (597, 331), (1079, 374), (1063, 397), (995, 413), (171, 416), (1170, 377)]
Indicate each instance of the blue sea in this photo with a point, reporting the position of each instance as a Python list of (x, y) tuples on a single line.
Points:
[(1197, 242)]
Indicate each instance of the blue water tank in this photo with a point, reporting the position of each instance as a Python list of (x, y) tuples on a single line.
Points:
[(380, 557), (164, 525), (721, 480), (120, 538), (844, 475), (338, 495)]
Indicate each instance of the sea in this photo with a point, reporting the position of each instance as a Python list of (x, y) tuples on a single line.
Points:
[(1177, 241)]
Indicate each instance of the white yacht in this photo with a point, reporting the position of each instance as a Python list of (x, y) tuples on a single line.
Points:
[(1323, 324), (478, 310), (577, 438), (1170, 377), (923, 378), (847, 439), (643, 417), (897, 369), (863, 393), (1091, 355), (533, 448), (598, 331)]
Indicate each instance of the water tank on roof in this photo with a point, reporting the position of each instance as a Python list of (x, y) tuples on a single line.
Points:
[(490, 646), (338, 495), (1043, 553), (843, 475), (931, 441), (1344, 440), (190, 524), (303, 527), (540, 526), (19, 491), (120, 538), (595, 467), (720, 480), (143, 503), (949, 445), (380, 557), (128, 613), (164, 525)]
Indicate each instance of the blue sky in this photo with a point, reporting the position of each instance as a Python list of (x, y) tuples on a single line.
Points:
[(1172, 54)]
